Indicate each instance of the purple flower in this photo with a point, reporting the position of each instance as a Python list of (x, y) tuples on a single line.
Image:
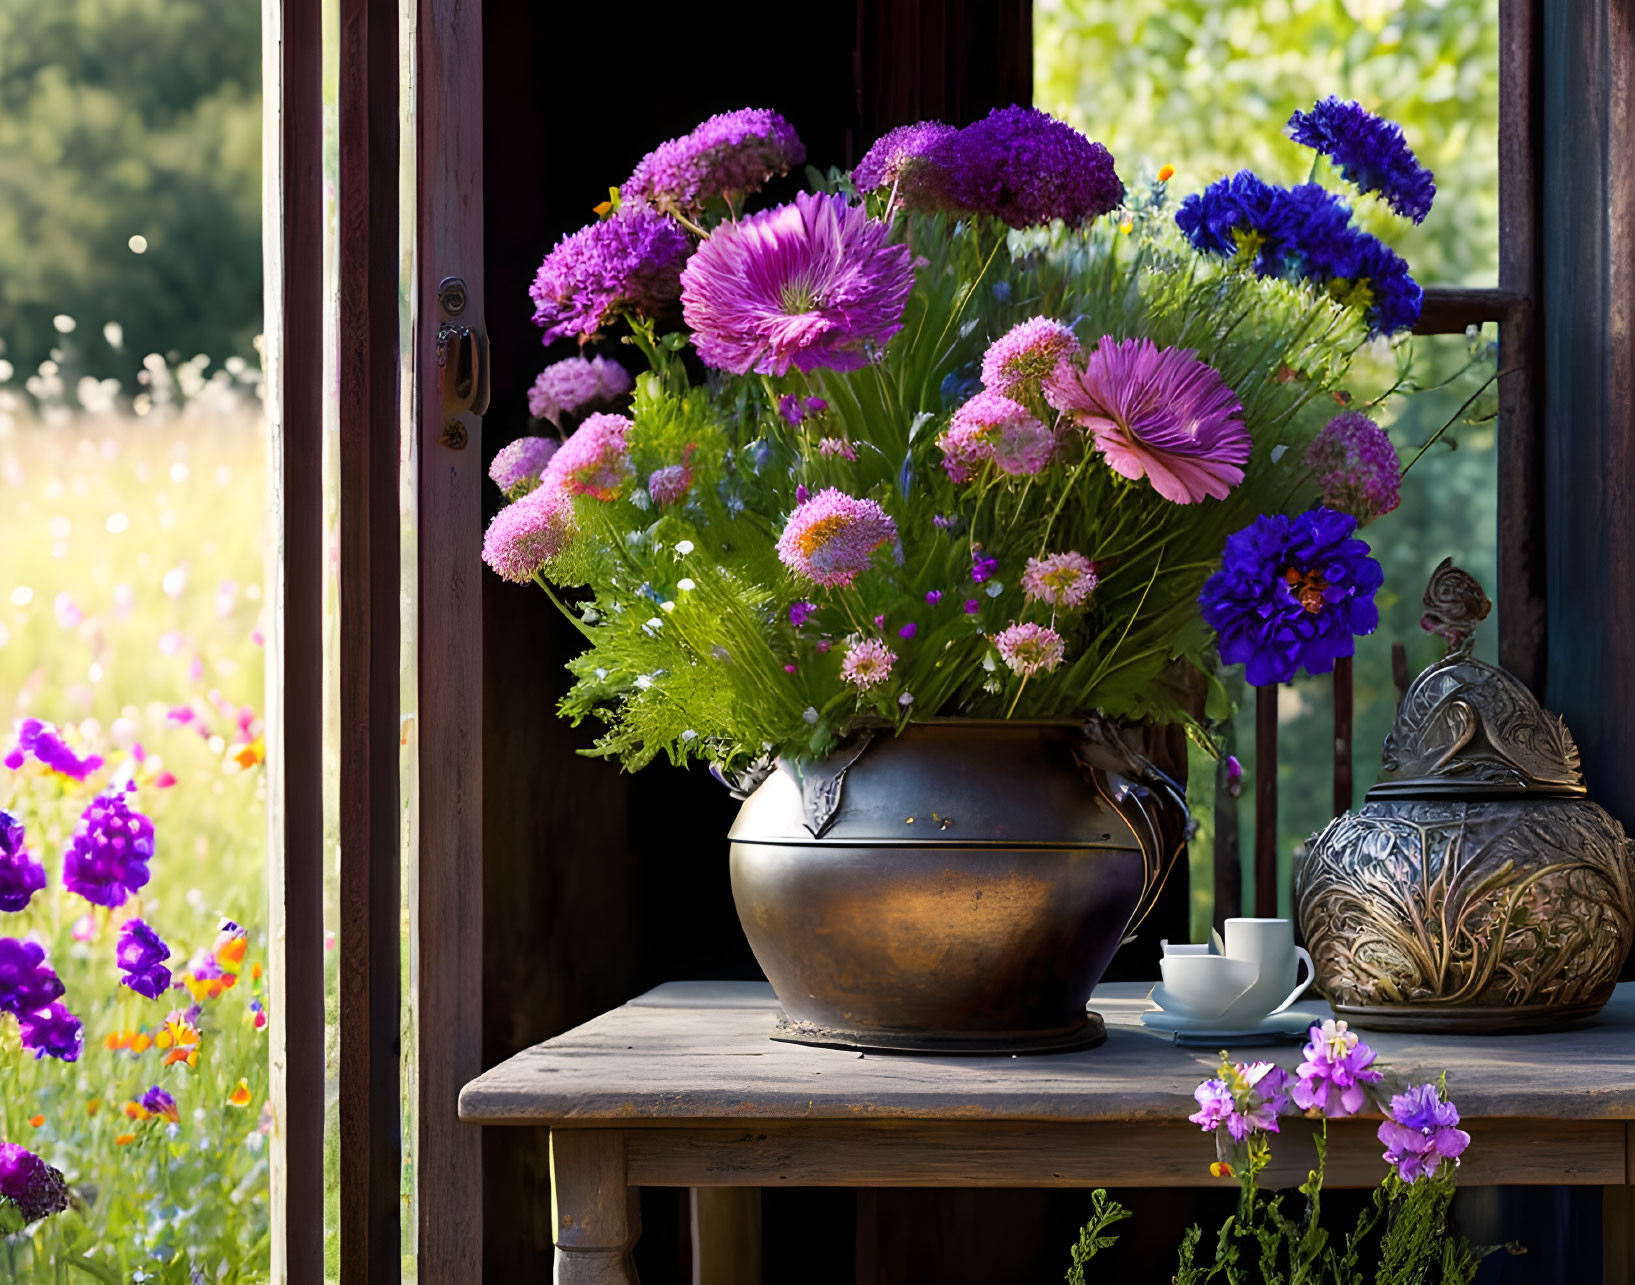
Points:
[(1026, 355), (908, 630), (141, 956), (669, 485), (107, 859), (811, 284), (1234, 776), (801, 612), (933, 596), (867, 664), (801, 493), (630, 263), (27, 982), (20, 875), (831, 538), (1370, 152), (982, 566), (1293, 594), (52, 1031), (1030, 649), (573, 384), (528, 533), (815, 405), (1158, 413), (594, 461), (518, 465), (156, 1102), (43, 742), (1337, 1069), (727, 156), (972, 606), (1422, 1132), (993, 427), (34, 1187), (790, 408), (1356, 467), (1025, 167), (906, 160), (1245, 1098)]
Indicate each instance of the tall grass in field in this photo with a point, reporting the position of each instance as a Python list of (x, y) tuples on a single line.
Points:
[(131, 617)]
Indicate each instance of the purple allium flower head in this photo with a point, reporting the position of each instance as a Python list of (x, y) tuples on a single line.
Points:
[(1245, 1098), (1158, 413), (1337, 1069), (1356, 467), (20, 875), (811, 284), (1021, 359), (594, 461), (801, 612), (107, 859), (1059, 579), (669, 485), (1422, 1132), (630, 263), (52, 1031), (728, 155), (1293, 593), (1030, 649), (838, 446), (156, 1102), (574, 384), (867, 664), (528, 533), (34, 1187), (982, 566), (908, 160), (1370, 153), (1026, 168), (992, 427), (45, 744), (27, 982), (831, 537), (518, 465), (141, 955)]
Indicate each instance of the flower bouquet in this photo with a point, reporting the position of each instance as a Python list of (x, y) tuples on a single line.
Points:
[(959, 434)]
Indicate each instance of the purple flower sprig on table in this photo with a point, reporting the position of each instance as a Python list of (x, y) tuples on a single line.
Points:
[(20, 875), (44, 744), (1370, 153), (1335, 1076), (107, 859), (141, 956), (29, 1184), (1422, 1133), (1244, 1098)]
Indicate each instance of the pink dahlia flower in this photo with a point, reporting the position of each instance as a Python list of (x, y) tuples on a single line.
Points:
[(831, 537), (1030, 649), (594, 461), (810, 284), (993, 427), (518, 465), (1026, 355), (727, 155), (573, 384), (867, 663), (1059, 579), (1157, 413), (670, 484), (1356, 467), (527, 534)]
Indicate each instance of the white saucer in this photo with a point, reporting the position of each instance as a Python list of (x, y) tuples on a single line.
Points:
[(1291, 1024)]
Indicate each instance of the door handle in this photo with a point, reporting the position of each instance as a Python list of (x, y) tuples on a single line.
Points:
[(462, 363)]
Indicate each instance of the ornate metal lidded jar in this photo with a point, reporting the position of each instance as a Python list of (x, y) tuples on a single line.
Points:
[(1477, 890)]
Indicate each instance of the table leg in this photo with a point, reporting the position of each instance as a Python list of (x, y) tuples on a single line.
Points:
[(1618, 1235), (595, 1214), (726, 1235)]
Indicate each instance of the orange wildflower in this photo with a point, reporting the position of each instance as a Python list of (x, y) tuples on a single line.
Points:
[(36, 1120), (240, 1096), (124, 1140), (1166, 173)]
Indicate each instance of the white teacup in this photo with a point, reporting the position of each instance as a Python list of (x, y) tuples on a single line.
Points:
[(1268, 944), (1207, 988)]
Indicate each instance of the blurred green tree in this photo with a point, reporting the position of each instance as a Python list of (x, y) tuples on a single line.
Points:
[(124, 119)]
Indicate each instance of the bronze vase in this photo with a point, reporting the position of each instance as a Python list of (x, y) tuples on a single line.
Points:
[(960, 887)]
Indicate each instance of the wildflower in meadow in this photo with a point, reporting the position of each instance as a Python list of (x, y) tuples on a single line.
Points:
[(29, 1184), (51, 1031), (107, 859), (20, 875), (240, 1096), (27, 982), (43, 743), (1030, 649), (141, 956), (1422, 1133), (831, 538), (180, 1038), (155, 1104)]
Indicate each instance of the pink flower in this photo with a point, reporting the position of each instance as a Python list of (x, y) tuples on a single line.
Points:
[(1021, 359), (669, 484), (574, 384), (1030, 649), (593, 462), (518, 465), (1157, 413), (837, 446), (528, 533), (832, 536), (1356, 467), (993, 427), (1336, 1069), (1059, 579), (867, 664)]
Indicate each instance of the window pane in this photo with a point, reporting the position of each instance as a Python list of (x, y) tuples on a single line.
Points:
[(1208, 85)]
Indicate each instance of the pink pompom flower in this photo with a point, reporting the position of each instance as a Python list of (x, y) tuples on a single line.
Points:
[(527, 534), (1030, 649), (832, 536), (1059, 579), (575, 384), (1158, 413), (1020, 360), (594, 461), (1356, 467), (518, 465), (867, 664), (991, 426)]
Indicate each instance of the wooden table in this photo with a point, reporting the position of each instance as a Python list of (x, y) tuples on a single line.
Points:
[(682, 1087)]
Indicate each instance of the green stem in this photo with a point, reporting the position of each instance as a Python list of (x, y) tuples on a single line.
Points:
[(550, 593), (1434, 437)]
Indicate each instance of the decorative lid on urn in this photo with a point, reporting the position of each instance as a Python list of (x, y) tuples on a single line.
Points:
[(1469, 728)]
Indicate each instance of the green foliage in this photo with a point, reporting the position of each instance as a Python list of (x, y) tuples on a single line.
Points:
[(1105, 1213), (121, 118)]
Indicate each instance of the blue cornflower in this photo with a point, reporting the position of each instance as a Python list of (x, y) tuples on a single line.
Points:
[(1292, 594), (1370, 152)]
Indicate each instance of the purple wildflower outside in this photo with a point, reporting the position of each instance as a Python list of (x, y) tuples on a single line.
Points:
[(630, 263), (52, 1031), (141, 956), (42, 742), (1356, 467), (20, 875), (30, 1184), (27, 981), (107, 859)]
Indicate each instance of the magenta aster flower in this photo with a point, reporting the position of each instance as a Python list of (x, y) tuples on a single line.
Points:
[(27, 982), (1337, 1069), (52, 1031), (1356, 467), (832, 536), (729, 155), (518, 465), (867, 664), (20, 875), (43, 743), (1157, 413), (594, 461), (670, 484), (28, 1183), (573, 384), (630, 263), (811, 284), (801, 612), (906, 161), (527, 534), (1421, 1133), (1030, 649), (107, 859), (1021, 359), (141, 955), (992, 427), (1059, 579)]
